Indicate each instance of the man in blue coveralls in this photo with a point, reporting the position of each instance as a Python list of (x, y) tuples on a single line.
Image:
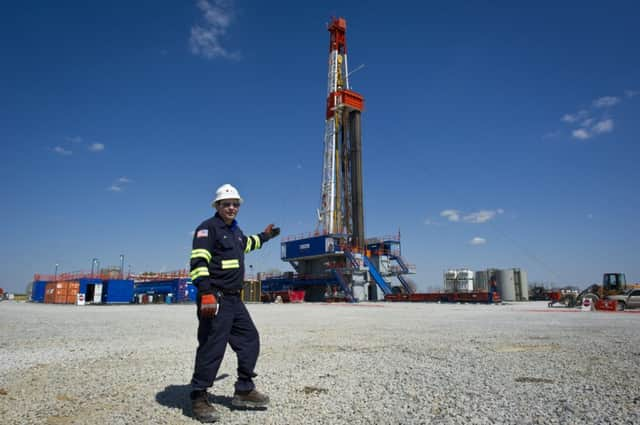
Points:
[(217, 270), (493, 289)]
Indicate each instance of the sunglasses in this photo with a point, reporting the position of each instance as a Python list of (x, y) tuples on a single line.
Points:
[(230, 204)]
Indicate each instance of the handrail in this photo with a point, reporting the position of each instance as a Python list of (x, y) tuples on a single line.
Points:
[(107, 275), (306, 235)]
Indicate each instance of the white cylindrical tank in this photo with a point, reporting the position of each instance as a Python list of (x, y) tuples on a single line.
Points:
[(359, 291), (506, 287), (450, 278), (465, 280), (524, 285), (481, 280)]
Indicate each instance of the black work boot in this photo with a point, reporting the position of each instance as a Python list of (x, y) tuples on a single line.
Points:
[(251, 398), (202, 408)]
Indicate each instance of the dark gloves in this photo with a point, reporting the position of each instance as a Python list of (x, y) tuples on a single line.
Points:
[(208, 305), (271, 232)]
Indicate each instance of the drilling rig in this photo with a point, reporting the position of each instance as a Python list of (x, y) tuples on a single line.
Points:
[(336, 262)]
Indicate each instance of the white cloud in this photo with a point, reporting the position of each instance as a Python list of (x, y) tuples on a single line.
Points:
[(606, 101), (451, 215), (75, 139), (96, 147), (581, 134), (631, 93), (604, 126), (62, 151), (205, 39), (571, 118), (587, 122), (482, 216), (590, 122), (118, 185), (478, 241)]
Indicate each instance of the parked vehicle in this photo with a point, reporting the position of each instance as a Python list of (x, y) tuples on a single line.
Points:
[(630, 299), (612, 284)]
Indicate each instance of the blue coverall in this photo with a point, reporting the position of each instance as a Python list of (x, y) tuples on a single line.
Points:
[(217, 266)]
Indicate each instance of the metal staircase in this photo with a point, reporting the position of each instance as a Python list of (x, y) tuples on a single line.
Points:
[(404, 267), (376, 276), (343, 284)]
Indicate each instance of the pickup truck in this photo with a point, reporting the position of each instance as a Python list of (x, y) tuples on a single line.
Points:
[(630, 299)]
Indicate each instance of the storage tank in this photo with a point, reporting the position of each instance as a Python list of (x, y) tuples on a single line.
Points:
[(450, 278), (521, 278), (506, 285), (465, 280), (481, 280)]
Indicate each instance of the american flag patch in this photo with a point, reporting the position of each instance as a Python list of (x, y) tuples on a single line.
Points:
[(202, 233)]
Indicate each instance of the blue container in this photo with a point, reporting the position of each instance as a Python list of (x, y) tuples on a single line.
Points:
[(87, 281), (38, 290), (182, 291), (117, 291), (308, 247), (180, 288), (193, 293)]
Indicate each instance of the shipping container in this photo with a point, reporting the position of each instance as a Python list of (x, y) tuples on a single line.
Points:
[(117, 291), (308, 247), (193, 293), (49, 293), (180, 288), (38, 290), (61, 292)]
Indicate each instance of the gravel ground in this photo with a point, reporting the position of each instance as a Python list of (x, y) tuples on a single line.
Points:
[(326, 364)]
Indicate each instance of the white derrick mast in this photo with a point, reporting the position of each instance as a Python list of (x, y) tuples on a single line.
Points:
[(335, 214)]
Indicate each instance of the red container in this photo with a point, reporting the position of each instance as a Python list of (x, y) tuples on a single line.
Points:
[(50, 293), (61, 292), (607, 305), (296, 296)]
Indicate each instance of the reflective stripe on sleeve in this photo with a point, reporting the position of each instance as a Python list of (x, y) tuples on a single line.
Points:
[(256, 241), (201, 253), (230, 264), (199, 272), (249, 245)]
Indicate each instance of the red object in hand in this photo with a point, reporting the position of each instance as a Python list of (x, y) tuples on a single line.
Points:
[(209, 305)]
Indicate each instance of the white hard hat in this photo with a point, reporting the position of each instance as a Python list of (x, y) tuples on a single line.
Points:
[(226, 191)]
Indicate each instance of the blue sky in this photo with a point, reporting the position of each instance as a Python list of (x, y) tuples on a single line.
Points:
[(495, 134)]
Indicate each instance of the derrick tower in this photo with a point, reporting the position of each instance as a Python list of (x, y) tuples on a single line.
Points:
[(341, 205), (336, 262)]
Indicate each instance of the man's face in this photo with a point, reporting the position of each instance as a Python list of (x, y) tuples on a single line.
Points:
[(228, 209)]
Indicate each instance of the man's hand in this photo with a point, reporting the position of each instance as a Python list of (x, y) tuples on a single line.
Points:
[(208, 306), (271, 231)]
